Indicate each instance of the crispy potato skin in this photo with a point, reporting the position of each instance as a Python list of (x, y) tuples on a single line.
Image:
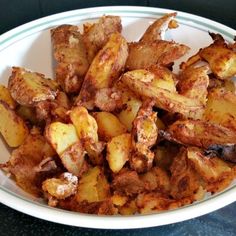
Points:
[(199, 133), (96, 35), (28, 88), (104, 69), (12, 126), (145, 54), (157, 28), (70, 54), (141, 82)]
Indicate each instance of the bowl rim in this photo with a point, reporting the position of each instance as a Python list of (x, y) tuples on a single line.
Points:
[(56, 215)]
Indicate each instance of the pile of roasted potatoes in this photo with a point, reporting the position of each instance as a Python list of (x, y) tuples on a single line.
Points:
[(117, 131)]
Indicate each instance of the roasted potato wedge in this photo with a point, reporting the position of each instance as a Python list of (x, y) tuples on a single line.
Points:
[(144, 54), (193, 83), (70, 54), (220, 108), (141, 82), (93, 186), (118, 150), (12, 126), (104, 69), (6, 97), (28, 88), (199, 133), (109, 125), (96, 35)]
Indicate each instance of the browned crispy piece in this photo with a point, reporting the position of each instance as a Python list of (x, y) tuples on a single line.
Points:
[(158, 27), (70, 54), (145, 54), (217, 173), (127, 182), (220, 108), (220, 56), (28, 88), (108, 99), (144, 135), (184, 181), (142, 82), (96, 35), (104, 70), (199, 133), (24, 162), (193, 83), (157, 179), (60, 188)]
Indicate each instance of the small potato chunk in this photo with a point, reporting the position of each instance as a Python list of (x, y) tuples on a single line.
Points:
[(143, 55), (104, 69), (12, 127), (193, 83), (70, 54), (96, 35), (6, 97), (142, 83), (93, 186), (157, 28), (220, 108), (62, 187), (61, 136), (109, 125), (28, 88), (200, 133), (118, 150)]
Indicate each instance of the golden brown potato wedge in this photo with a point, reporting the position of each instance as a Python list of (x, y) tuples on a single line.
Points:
[(96, 35), (157, 28), (118, 150), (6, 97), (93, 186), (141, 82), (104, 69), (193, 83), (12, 126), (199, 133), (160, 52), (28, 88), (220, 108), (70, 54), (109, 125)]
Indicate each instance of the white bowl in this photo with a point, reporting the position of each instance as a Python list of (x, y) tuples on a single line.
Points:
[(30, 46)]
